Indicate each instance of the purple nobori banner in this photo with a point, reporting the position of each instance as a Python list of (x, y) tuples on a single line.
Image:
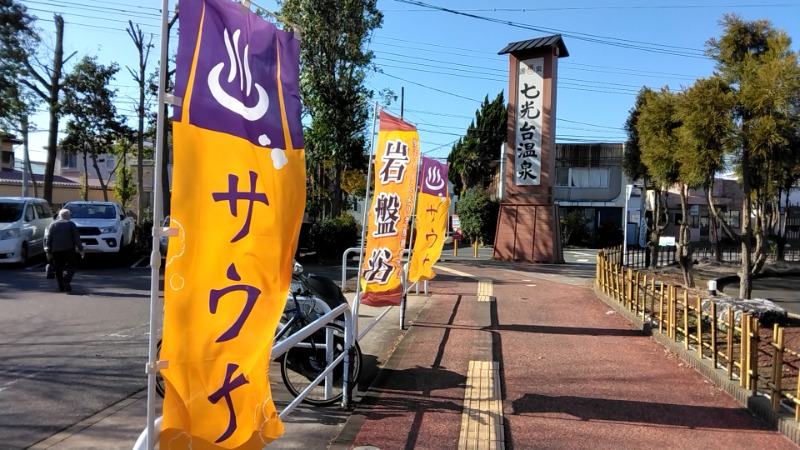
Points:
[(433, 177), (236, 74)]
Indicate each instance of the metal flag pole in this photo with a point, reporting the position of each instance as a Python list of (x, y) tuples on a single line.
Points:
[(410, 245), (367, 204), (155, 254)]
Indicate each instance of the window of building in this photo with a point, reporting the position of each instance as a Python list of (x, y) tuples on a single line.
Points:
[(678, 218), (6, 158), (69, 160), (583, 177), (110, 162)]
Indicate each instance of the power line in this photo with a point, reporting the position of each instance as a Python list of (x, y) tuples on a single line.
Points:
[(87, 17), (431, 88), (605, 40), (587, 8)]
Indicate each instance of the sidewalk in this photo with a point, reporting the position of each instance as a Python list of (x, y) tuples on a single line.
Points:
[(500, 356), (570, 374)]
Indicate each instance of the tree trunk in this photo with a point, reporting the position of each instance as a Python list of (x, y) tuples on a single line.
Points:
[(336, 194), (26, 161), (745, 275), (655, 230), (684, 246), (55, 87), (716, 247), (783, 220), (85, 192), (103, 185)]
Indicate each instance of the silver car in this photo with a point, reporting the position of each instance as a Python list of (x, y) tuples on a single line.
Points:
[(23, 222)]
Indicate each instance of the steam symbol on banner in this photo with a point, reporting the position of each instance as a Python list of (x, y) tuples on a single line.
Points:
[(242, 66), (433, 179)]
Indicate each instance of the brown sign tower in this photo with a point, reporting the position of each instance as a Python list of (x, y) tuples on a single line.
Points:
[(527, 226)]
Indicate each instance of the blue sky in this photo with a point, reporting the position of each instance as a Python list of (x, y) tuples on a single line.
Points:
[(447, 63)]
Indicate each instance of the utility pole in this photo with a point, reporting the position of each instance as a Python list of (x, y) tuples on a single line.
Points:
[(402, 95)]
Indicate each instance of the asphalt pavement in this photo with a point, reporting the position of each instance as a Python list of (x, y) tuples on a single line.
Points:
[(76, 381)]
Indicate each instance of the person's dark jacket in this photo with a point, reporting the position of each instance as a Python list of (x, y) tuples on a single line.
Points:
[(62, 235)]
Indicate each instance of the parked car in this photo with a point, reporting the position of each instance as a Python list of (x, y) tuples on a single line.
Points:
[(104, 226), (23, 222), (163, 241)]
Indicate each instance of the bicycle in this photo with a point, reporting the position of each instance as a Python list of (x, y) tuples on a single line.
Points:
[(304, 362), (311, 298)]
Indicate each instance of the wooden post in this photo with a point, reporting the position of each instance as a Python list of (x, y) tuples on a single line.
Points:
[(629, 286), (673, 319), (686, 319), (699, 328), (777, 366), (714, 324), (729, 349), (753, 347), (653, 296), (636, 295), (644, 296), (744, 354), (660, 308), (597, 269)]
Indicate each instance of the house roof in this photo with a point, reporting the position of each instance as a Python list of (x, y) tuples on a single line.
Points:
[(536, 43), (14, 177), (9, 138)]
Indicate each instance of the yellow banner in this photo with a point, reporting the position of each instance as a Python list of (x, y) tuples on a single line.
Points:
[(396, 164), (237, 199), (433, 206)]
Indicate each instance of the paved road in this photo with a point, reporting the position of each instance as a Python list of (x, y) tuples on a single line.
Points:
[(781, 290), (66, 357)]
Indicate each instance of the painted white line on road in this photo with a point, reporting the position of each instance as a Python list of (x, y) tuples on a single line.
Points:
[(8, 385), (454, 271), (36, 266), (583, 260), (530, 285), (134, 266)]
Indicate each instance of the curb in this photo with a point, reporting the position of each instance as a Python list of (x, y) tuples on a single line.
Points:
[(347, 436), (758, 406)]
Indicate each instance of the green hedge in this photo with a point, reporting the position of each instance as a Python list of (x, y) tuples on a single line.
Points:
[(331, 237)]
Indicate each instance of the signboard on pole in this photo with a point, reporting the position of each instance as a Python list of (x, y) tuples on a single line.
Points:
[(239, 177), (433, 204), (396, 164)]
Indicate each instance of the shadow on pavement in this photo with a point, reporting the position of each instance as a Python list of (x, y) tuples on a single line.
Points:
[(653, 413)]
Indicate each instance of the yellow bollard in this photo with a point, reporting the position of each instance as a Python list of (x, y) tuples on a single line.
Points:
[(455, 247), (476, 248)]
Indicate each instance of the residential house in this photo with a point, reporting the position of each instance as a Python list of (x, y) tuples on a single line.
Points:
[(66, 188), (7, 143)]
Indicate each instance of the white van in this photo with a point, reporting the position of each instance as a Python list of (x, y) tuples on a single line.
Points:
[(23, 221)]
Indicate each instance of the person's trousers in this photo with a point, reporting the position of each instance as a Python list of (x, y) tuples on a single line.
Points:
[(64, 263)]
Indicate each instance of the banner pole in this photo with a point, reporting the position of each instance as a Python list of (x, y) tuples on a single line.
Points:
[(155, 254), (410, 245), (367, 205)]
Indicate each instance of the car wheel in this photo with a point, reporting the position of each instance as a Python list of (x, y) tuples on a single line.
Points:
[(23, 254)]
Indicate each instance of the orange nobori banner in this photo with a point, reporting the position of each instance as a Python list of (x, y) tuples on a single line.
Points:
[(396, 164), (433, 206), (239, 176)]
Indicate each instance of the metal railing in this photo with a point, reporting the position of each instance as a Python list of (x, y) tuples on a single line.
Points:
[(278, 349)]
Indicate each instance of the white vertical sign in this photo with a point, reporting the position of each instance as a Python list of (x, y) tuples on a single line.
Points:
[(528, 146)]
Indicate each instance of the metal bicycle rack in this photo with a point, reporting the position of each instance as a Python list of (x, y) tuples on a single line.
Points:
[(142, 443)]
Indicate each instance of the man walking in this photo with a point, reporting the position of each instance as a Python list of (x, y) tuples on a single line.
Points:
[(61, 240)]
